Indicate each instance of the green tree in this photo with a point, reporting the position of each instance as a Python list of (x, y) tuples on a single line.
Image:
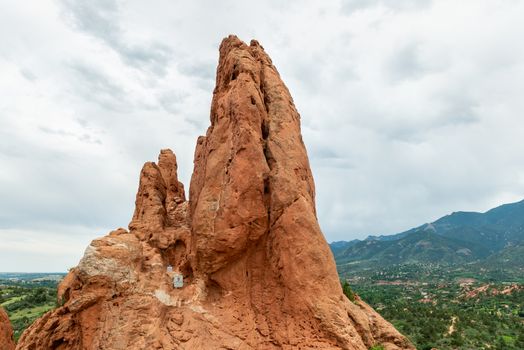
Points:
[(347, 291)]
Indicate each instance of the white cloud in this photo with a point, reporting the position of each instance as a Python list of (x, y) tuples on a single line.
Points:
[(410, 109), (43, 249)]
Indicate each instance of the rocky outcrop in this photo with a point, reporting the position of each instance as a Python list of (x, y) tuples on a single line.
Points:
[(257, 271), (6, 332)]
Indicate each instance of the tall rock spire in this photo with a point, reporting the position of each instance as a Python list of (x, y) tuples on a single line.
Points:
[(257, 271)]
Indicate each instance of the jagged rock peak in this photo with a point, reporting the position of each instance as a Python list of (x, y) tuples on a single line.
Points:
[(256, 270), (6, 332), (160, 200)]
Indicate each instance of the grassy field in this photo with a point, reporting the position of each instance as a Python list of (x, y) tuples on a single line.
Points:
[(27, 299)]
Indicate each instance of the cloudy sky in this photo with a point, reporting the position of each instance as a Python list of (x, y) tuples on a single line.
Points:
[(410, 109)]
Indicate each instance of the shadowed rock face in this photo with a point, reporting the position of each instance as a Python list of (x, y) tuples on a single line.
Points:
[(6, 332), (258, 273)]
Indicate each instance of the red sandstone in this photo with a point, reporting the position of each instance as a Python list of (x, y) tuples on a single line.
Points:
[(258, 273)]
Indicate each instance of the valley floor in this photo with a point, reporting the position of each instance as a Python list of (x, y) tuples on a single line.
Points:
[(26, 297), (445, 309)]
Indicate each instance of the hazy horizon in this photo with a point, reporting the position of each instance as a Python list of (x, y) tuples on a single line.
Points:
[(332, 241)]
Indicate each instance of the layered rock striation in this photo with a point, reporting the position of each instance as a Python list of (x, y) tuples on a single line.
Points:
[(257, 271), (6, 332)]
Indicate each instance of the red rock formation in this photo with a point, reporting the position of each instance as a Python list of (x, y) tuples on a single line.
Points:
[(6, 332), (258, 273)]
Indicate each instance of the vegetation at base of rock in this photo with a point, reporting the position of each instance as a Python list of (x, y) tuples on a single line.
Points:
[(26, 299), (348, 291), (376, 347)]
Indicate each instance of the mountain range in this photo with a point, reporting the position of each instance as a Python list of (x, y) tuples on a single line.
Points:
[(494, 237)]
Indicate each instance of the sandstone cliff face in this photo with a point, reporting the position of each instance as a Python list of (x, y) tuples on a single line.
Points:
[(6, 332), (257, 271)]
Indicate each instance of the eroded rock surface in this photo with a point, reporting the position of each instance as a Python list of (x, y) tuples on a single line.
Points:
[(258, 273), (6, 332)]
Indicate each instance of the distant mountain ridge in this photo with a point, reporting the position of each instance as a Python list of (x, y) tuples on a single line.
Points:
[(460, 237)]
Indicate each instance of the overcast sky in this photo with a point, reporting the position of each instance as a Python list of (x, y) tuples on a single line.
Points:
[(410, 109)]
